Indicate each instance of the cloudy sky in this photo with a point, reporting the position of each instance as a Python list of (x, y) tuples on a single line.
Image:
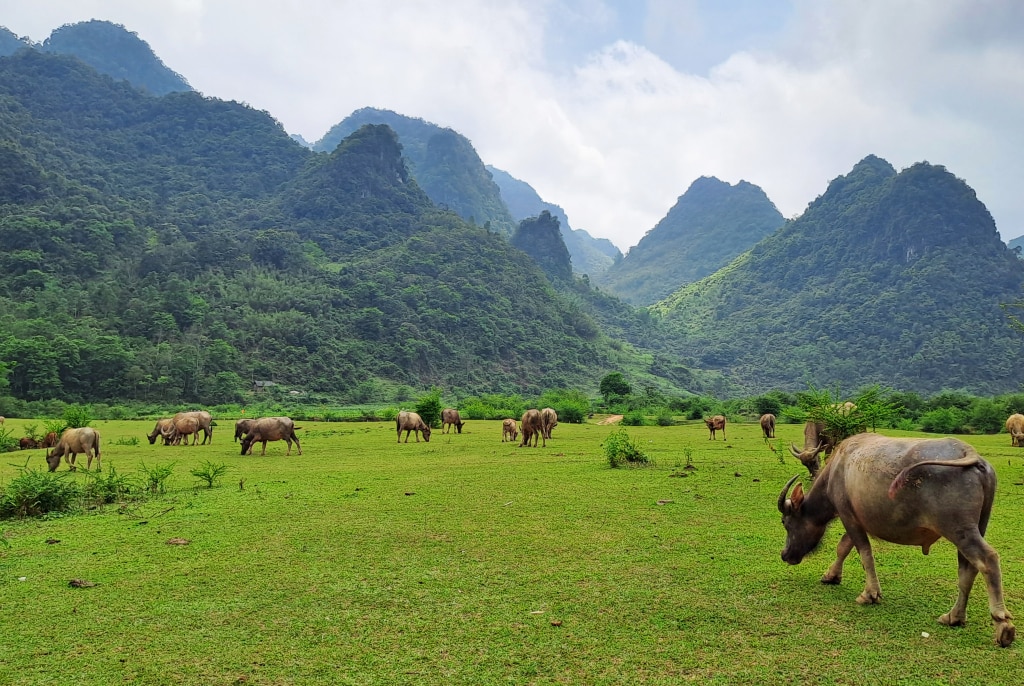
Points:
[(612, 108)]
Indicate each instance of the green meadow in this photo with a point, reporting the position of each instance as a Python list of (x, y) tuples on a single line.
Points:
[(466, 560)]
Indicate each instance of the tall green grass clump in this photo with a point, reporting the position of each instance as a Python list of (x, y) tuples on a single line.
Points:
[(33, 493), (622, 451)]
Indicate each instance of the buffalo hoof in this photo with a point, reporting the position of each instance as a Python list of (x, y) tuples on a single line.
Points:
[(949, 620), (832, 580), (869, 598), (1005, 633)]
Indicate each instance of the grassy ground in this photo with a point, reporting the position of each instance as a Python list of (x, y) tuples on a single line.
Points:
[(472, 561)]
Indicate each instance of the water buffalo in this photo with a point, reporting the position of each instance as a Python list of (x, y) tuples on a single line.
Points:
[(1015, 425), (242, 427), (73, 441), (205, 422), (716, 423), (548, 421), (910, 491), (449, 418), (27, 443), (533, 428), (271, 429), (509, 430), (411, 422), (817, 441), (768, 425), (185, 425), (164, 428), (49, 440)]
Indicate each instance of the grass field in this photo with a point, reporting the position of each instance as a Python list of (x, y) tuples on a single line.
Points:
[(469, 561)]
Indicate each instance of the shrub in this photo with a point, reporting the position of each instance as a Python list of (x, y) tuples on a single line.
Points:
[(622, 451), (987, 416), (429, 408), (944, 420), (665, 419), (108, 488), (33, 493), (209, 472), (634, 418), (8, 443), (156, 477), (77, 416)]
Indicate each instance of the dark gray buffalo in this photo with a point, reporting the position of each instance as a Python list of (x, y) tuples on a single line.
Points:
[(910, 491)]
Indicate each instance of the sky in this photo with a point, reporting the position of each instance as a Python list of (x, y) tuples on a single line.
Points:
[(610, 108)]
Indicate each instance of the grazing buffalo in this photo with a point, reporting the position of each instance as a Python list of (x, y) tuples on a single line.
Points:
[(716, 423), (411, 422), (817, 441), (49, 440), (271, 429), (768, 425), (449, 418), (910, 491), (1015, 425), (27, 443), (533, 428), (242, 427), (73, 441), (548, 421), (509, 430), (164, 428), (185, 425), (205, 422), (2, 420)]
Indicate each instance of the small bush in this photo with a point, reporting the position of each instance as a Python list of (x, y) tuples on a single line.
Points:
[(429, 408), (109, 488), (209, 472), (945, 420), (127, 440), (666, 419), (8, 443), (622, 451), (77, 416), (33, 493), (156, 477), (634, 418)]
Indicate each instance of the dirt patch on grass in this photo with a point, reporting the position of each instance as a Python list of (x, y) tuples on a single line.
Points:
[(611, 419)]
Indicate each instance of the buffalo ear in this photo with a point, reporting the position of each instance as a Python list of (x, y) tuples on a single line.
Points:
[(797, 497)]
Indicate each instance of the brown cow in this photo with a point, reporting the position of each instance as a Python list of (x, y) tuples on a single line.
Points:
[(73, 441), (411, 422), (449, 418), (242, 427), (908, 491), (49, 440), (271, 429), (509, 430), (716, 423), (768, 425), (163, 428), (1015, 425), (205, 422), (28, 443), (185, 425), (548, 420), (533, 428)]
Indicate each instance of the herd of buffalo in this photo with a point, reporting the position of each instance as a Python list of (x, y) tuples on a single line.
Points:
[(908, 491)]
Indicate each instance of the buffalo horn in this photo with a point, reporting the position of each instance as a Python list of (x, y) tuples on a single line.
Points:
[(785, 492), (793, 449)]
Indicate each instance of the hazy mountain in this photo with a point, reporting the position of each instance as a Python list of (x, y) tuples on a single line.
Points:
[(1017, 245), (443, 162), (709, 225), (589, 255), (114, 50), (895, 279)]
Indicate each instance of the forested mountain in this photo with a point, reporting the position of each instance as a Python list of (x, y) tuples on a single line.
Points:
[(709, 225), (589, 255), (177, 248), (443, 162), (10, 43), (1016, 244), (887, 278)]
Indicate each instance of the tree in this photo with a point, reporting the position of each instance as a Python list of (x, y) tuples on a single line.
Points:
[(614, 387)]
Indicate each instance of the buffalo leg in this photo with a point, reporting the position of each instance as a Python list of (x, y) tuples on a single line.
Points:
[(976, 555), (872, 592), (834, 575)]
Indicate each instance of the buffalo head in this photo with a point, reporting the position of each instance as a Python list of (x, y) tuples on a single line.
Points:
[(803, 531)]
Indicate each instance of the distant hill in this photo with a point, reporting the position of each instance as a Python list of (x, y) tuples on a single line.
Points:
[(1017, 245), (709, 225), (894, 279), (175, 249), (589, 255), (10, 43), (114, 50), (443, 162)]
